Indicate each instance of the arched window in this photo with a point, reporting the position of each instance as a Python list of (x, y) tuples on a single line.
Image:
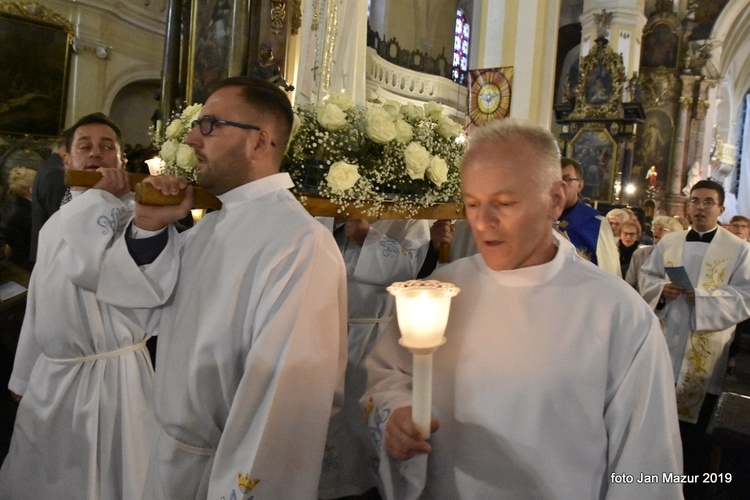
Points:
[(461, 48)]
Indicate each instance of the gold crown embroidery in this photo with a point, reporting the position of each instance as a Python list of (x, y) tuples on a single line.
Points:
[(245, 482)]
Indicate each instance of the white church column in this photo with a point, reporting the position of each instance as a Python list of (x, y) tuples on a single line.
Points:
[(522, 34), (743, 193), (626, 30)]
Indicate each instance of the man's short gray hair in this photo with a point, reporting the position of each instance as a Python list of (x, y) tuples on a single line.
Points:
[(538, 139)]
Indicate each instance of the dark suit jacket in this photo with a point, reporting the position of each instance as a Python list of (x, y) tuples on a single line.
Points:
[(15, 230), (46, 196)]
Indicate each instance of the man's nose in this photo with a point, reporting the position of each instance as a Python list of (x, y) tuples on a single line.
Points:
[(487, 217), (192, 137)]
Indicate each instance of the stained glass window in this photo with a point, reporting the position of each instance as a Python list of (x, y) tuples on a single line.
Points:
[(461, 48)]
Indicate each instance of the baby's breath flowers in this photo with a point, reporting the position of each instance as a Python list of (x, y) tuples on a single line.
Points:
[(368, 154)]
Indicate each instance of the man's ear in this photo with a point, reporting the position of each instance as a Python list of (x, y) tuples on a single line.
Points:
[(557, 197), (66, 161), (266, 138)]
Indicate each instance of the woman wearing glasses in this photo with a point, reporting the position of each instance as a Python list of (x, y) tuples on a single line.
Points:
[(661, 225)]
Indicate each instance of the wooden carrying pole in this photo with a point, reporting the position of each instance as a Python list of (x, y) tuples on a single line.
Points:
[(315, 205), (145, 193)]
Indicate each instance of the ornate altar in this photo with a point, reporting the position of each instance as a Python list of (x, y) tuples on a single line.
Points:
[(674, 96), (598, 128)]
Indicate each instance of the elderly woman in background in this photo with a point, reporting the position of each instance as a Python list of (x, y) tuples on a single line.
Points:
[(630, 233), (616, 217), (15, 229), (660, 226)]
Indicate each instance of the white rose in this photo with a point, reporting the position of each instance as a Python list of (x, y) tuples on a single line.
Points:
[(437, 172), (341, 100), (393, 108), (379, 126), (191, 113), (417, 160), (331, 117), (186, 157), (342, 176), (412, 111), (433, 109), (168, 151), (404, 131), (174, 129), (448, 128)]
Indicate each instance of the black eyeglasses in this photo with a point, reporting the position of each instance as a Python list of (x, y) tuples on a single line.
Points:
[(207, 123), (571, 179)]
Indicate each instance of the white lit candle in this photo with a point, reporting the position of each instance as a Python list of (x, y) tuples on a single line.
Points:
[(422, 308), (421, 392)]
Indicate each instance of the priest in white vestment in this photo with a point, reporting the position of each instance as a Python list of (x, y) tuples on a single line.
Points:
[(375, 254), (699, 314), (698, 321), (546, 387), (252, 313), (85, 421)]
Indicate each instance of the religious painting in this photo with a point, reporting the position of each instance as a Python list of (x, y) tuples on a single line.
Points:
[(653, 147), (598, 85), (595, 149), (217, 48), (489, 95), (33, 90), (661, 45)]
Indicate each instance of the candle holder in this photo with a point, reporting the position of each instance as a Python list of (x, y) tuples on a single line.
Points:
[(422, 308)]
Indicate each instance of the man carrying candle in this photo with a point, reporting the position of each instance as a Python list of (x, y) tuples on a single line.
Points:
[(545, 388)]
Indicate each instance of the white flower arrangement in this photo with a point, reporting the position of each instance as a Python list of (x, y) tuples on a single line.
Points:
[(177, 157), (367, 154)]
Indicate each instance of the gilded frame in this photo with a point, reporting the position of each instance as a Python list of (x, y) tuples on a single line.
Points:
[(596, 150), (600, 86), (34, 94)]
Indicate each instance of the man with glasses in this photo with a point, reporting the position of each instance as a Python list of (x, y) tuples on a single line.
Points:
[(739, 225), (251, 308), (699, 315), (588, 230)]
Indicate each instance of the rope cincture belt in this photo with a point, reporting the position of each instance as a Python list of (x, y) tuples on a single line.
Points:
[(104, 355)]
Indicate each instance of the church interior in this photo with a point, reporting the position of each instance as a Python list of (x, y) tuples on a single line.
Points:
[(649, 96)]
